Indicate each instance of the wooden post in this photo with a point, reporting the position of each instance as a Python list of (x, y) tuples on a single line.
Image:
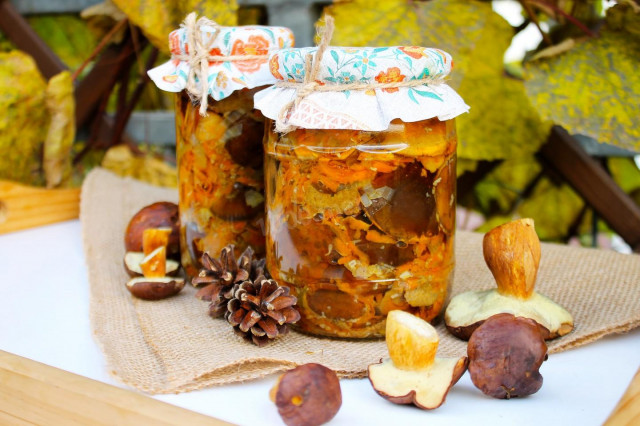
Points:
[(565, 155)]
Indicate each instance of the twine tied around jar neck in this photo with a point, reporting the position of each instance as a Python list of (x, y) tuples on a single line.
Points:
[(198, 57), (310, 84)]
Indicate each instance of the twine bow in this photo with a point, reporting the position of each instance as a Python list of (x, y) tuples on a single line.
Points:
[(198, 57), (310, 84)]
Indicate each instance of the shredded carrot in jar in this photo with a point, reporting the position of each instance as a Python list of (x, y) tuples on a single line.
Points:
[(358, 223)]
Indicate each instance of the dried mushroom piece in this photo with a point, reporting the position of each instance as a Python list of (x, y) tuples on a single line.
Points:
[(403, 204), (133, 259), (413, 374), (512, 252)]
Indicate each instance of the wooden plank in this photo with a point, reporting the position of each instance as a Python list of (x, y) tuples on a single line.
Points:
[(17, 29), (627, 412), (23, 207), (32, 392), (565, 156)]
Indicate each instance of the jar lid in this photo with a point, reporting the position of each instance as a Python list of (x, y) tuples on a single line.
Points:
[(207, 59), (362, 88)]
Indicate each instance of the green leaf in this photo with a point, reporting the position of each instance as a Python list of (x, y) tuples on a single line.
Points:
[(334, 55), (427, 95), (67, 35), (502, 123), (158, 18), (593, 89)]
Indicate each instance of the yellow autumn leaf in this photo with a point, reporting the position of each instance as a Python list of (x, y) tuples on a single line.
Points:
[(594, 88), (553, 207), (502, 123), (147, 168), (60, 103), (625, 172), (499, 191), (23, 118), (158, 18)]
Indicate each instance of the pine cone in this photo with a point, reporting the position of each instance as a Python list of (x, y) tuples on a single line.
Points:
[(218, 276), (261, 309)]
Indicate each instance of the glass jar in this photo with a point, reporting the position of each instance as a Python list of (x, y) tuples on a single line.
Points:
[(360, 223), (220, 175)]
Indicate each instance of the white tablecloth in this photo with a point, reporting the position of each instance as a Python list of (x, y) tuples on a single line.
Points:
[(44, 316)]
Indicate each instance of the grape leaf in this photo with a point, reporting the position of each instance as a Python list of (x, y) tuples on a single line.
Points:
[(146, 167), (593, 89), (67, 35), (158, 18), (502, 123), (553, 208), (625, 172), (500, 189), (24, 118)]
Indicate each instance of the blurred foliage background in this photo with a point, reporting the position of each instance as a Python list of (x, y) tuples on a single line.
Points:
[(580, 72)]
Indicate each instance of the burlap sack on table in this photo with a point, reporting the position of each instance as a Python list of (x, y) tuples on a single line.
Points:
[(172, 345)]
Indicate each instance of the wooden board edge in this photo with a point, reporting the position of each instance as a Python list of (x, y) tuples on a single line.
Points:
[(627, 412), (41, 388)]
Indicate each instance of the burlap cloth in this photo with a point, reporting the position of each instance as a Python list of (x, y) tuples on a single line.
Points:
[(172, 345)]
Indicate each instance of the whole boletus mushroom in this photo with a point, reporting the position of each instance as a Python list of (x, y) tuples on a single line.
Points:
[(505, 354), (512, 253)]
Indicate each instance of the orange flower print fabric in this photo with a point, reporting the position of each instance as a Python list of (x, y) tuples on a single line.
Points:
[(274, 66), (392, 75), (416, 52), (256, 45)]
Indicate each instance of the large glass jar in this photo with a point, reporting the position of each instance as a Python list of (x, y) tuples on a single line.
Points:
[(360, 223), (220, 174)]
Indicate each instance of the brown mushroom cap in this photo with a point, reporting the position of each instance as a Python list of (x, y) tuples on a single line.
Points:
[(308, 395), (505, 354)]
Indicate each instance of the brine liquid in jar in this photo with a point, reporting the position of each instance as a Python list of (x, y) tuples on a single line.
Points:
[(360, 223), (220, 174)]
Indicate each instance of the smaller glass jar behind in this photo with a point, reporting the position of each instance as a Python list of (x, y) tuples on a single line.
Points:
[(360, 223), (220, 176), (219, 133)]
